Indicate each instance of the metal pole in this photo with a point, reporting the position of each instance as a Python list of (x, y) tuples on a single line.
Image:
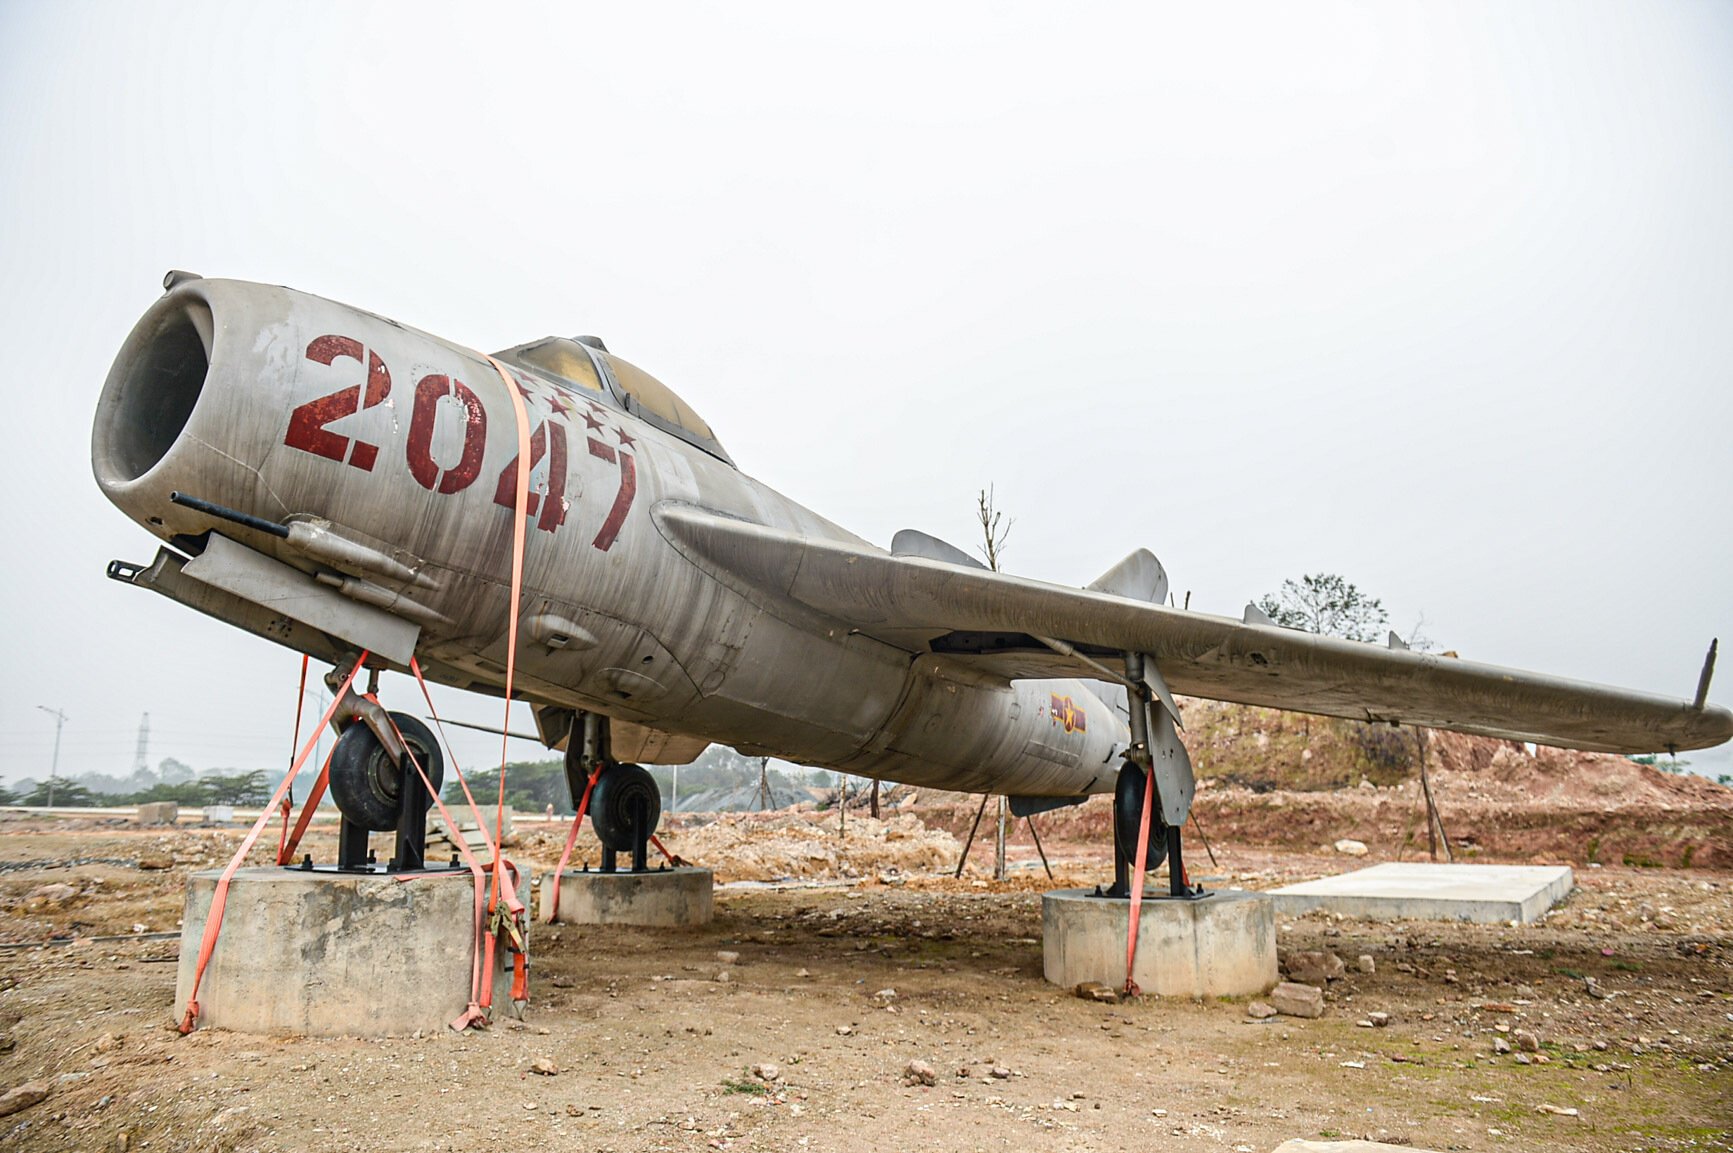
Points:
[(964, 859), (1030, 821), (674, 806), (60, 718), (999, 845), (1426, 792)]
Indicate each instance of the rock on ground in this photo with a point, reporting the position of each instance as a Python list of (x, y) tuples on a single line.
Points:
[(1298, 1000), (23, 1096), (1314, 967)]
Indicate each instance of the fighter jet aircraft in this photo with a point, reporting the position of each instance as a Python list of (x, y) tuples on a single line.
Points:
[(339, 483)]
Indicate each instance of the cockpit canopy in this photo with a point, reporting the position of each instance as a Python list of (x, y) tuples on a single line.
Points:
[(587, 365)]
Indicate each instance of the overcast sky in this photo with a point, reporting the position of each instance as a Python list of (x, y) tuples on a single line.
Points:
[(1438, 297)]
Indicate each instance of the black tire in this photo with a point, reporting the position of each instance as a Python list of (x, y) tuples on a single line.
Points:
[(1128, 816), (367, 785), (619, 790)]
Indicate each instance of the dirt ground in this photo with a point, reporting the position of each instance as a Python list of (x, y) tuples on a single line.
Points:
[(1628, 989)]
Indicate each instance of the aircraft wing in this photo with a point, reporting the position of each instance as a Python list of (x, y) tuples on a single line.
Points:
[(993, 620)]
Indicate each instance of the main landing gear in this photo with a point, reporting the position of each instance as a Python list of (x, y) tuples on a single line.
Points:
[(625, 804), (1155, 758), (1164, 842)]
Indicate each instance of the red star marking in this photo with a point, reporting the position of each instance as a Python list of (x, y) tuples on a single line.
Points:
[(626, 438), (557, 404), (591, 421)]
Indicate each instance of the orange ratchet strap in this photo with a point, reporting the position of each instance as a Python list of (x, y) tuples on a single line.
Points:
[(219, 898), (572, 839), (481, 976), (520, 508), (289, 801), (1131, 989)]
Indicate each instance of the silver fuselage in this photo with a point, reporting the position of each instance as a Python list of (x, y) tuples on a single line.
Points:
[(395, 444)]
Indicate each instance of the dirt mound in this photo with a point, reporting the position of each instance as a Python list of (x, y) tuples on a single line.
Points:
[(1506, 771), (1282, 780)]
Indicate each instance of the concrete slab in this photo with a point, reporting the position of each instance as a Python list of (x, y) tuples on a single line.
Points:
[(1223, 945), (1485, 894), (663, 898), (333, 954)]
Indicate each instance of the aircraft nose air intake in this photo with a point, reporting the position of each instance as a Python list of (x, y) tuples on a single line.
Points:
[(152, 388)]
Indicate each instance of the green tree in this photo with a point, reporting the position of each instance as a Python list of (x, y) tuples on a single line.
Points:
[(67, 793), (529, 785), (235, 789), (188, 794), (173, 772), (1329, 604)]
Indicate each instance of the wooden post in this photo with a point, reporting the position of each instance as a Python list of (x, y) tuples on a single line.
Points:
[(964, 859), (1433, 818), (999, 845)]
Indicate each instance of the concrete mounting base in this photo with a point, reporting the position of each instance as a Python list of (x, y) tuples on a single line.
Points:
[(662, 898), (1484, 894), (1222, 945), (334, 954)]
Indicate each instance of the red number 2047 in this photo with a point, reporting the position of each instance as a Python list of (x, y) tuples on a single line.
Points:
[(308, 432)]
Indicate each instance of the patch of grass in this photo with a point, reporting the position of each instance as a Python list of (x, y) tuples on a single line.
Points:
[(1593, 853), (1684, 861), (1568, 972), (1640, 861), (749, 1087), (1627, 966)]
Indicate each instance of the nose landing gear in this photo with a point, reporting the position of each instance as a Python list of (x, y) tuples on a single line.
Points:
[(378, 793)]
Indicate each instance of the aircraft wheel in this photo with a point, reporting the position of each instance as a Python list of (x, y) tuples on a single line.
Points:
[(1128, 815), (367, 785), (619, 790)]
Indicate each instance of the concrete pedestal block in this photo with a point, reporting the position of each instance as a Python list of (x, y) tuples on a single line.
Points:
[(1222, 945), (334, 954), (664, 898)]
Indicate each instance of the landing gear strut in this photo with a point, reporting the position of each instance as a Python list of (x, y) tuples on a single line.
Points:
[(625, 804), (1155, 754)]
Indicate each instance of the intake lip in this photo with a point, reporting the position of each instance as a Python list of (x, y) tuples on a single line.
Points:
[(154, 386)]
